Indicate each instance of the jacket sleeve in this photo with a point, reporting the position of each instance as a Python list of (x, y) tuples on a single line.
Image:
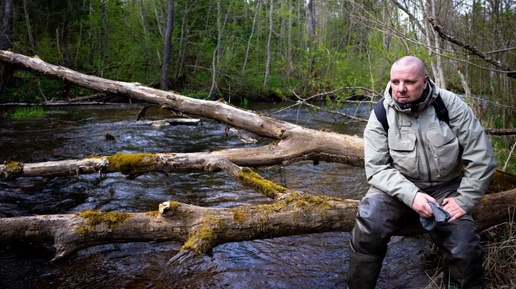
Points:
[(477, 155), (379, 171)]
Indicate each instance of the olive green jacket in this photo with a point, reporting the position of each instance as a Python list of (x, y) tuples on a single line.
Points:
[(420, 152)]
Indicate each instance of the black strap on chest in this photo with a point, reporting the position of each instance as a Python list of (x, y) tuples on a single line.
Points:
[(438, 104)]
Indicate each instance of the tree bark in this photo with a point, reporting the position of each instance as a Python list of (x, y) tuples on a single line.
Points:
[(246, 55), (290, 212), (268, 62), (167, 46), (6, 35)]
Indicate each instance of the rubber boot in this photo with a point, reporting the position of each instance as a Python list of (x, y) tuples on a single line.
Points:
[(462, 260), (363, 271)]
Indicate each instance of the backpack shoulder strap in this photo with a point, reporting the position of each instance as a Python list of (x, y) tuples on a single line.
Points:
[(438, 104), (441, 110), (381, 114)]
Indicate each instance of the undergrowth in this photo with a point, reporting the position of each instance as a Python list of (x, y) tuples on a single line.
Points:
[(499, 243), (28, 112)]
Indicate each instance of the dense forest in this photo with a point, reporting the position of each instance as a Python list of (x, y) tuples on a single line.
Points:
[(268, 50)]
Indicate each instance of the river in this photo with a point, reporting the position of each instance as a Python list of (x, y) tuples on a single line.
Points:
[(303, 261)]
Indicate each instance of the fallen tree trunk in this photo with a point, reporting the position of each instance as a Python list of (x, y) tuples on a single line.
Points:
[(217, 110), (200, 228)]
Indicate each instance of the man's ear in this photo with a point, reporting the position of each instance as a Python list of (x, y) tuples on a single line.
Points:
[(426, 81)]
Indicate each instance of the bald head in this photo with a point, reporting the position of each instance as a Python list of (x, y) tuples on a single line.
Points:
[(408, 79), (410, 61)]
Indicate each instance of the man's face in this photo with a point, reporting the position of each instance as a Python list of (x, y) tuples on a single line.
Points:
[(407, 82)]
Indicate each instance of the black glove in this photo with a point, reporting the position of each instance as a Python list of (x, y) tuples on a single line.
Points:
[(439, 216)]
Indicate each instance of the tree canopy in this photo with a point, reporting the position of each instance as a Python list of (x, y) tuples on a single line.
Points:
[(250, 49)]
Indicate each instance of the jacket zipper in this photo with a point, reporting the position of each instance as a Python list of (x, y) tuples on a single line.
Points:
[(425, 154)]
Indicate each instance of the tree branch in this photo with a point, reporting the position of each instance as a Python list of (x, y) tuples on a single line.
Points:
[(473, 50)]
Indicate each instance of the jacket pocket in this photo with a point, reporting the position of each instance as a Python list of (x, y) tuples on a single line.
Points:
[(403, 153), (445, 149)]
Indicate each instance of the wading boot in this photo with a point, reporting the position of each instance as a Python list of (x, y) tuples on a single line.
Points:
[(363, 271)]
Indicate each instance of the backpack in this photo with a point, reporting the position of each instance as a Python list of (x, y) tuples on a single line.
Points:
[(438, 104)]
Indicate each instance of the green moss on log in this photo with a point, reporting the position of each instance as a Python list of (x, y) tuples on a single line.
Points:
[(111, 219), (310, 202), (130, 163), (203, 237), (239, 215), (13, 169), (249, 178), (152, 214)]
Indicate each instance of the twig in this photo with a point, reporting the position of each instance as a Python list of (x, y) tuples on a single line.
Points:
[(507, 161)]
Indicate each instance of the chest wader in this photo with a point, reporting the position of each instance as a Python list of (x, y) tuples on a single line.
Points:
[(381, 216)]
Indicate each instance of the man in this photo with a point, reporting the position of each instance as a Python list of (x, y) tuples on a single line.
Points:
[(418, 160)]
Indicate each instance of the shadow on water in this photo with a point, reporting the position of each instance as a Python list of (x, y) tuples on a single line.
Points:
[(304, 261)]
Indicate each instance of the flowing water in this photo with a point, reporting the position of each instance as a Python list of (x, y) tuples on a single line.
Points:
[(304, 261)]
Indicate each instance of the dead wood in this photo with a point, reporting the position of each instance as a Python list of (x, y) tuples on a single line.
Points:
[(500, 131)]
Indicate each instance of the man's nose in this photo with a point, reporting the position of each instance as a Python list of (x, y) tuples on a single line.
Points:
[(402, 87)]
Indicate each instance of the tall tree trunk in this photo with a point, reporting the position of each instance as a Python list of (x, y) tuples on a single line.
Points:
[(216, 50), (145, 30), (312, 38), (102, 36), (63, 39), (246, 55), (167, 47), (289, 47), (269, 47), (159, 18), (180, 63), (440, 79), (6, 30), (6, 36), (28, 25)]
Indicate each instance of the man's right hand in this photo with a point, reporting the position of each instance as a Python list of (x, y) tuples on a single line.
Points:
[(421, 206)]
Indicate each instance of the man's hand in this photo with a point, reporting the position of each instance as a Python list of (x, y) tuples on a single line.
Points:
[(451, 206), (421, 206)]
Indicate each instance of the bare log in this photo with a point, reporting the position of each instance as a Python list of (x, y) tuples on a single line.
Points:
[(308, 145), (217, 110)]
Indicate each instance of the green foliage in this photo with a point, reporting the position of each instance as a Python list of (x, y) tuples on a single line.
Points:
[(28, 112), (244, 102), (195, 94), (355, 44), (505, 152)]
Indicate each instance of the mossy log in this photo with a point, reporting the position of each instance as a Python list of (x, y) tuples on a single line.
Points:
[(200, 229)]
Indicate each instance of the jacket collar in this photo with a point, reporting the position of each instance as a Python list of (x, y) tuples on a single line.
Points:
[(428, 97)]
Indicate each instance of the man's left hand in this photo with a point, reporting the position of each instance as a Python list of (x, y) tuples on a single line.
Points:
[(451, 206)]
